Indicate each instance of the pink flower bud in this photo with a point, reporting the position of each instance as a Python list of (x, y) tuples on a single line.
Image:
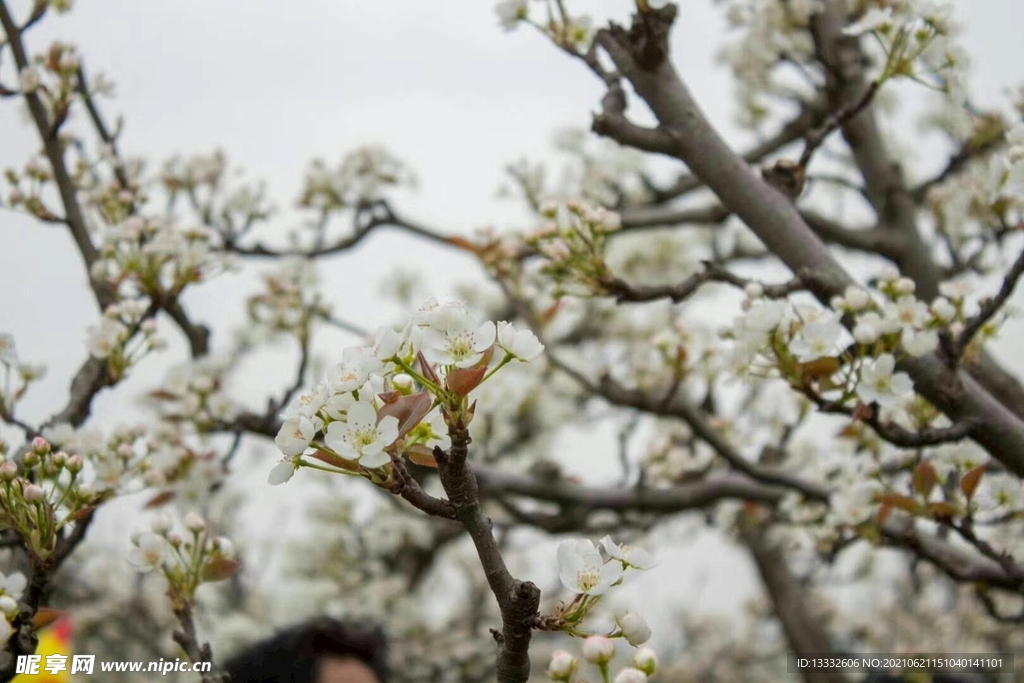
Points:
[(646, 659), (630, 675), (34, 494), (40, 446), (8, 471), (74, 464), (562, 666), (195, 523)]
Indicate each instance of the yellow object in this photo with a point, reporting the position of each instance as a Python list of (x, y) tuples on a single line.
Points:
[(53, 640)]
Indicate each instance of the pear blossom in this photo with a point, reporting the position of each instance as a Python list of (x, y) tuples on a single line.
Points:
[(282, 472), (295, 435), (148, 552), (13, 584), (817, 339), (634, 628), (630, 675), (879, 385), (872, 20), (907, 311), (511, 12), (8, 605), (598, 649), (360, 437), (918, 343), (582, 570), (522, 344), (449, 340), (646, 659), (637, 558), (562, 666)]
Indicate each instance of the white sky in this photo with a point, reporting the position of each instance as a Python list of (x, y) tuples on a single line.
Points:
[(277, 83)]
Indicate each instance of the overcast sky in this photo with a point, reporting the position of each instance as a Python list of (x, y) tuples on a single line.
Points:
[(277, 83)]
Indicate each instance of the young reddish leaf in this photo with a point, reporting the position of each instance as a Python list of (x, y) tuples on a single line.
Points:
[(485, 359), (428, 370), (163, 395), (463, 380), (898, 500), (549, 314), (969, 482), (862, 412), (818, 368), (82, 513), (883, 514), (220, 568), (421, 455), (159, 499), (45, 616), (463, 243), (943, 510), (409, 410), (924, 478), (335, 461)]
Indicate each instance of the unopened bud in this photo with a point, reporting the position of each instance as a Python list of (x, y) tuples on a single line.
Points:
[(562, 666), (74, 464), (598, 650), (646, 659), (40, 446), (8, 471), (195, 523), (34, 494)]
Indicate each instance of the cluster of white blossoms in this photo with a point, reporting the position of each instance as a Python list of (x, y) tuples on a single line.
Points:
[(573, 242), (809, 342), (590, 571), (360, 177), (142, 256), (194, 392), (370, 400), (289, 301), (11, 588)]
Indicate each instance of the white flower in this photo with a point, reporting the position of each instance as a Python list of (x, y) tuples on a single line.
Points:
[(103, 339), (598, 649), (765, 316), (918, 343), (295, 434), (148, 552), (907, 311), (360, 437), (646, 659), (960, 288), (8, 605), (855, 502), (562, 666), (511, 12), (873, 20), (634, 628), (817, 339), (13, 585), (351, 373), (879, 384), (943, 310), (856, 298), (634, 557), (523, 344), (582, 570), (630, 675), (29, 79), (282, 472), (449, 340), (308, 404)]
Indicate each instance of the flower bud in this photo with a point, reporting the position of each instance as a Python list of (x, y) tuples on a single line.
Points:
[(943, 310), (634, 628), (402, 382), (160, 525), (224, 546), (562, 666), (754, 290), (598, 650), (40, 446), (195, 523), (905, 285), (856, 298), (7, 604), (73, 463), (31, 460), (8, 471), (630, 675), (174, 539), (34, 494), (646, 659)]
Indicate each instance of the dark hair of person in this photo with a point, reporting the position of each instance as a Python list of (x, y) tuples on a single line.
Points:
[(293, 655)]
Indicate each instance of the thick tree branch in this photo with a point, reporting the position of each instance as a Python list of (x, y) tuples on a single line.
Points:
[(778, 224)]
